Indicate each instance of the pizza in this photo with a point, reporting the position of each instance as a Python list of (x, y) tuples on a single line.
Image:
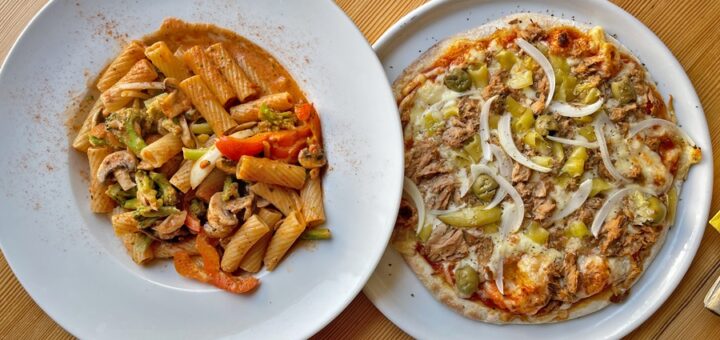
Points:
[(542, 169)]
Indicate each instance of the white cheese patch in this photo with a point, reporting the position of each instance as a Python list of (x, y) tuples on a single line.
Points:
[(619, 268)]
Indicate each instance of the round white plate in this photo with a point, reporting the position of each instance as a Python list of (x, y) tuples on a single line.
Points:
[(396, 291), (68, 258)]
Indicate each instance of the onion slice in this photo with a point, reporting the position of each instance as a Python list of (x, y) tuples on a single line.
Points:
[(507, 142), (502, 162), (567, 110), (607, 207), (660, 122), (580, 141), (544, 63), (413, 192), (499, 268), (511, 220), (576, 200), (485, 129), (604, 152)]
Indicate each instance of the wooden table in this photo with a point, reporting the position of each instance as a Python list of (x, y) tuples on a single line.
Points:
[(689, 28)]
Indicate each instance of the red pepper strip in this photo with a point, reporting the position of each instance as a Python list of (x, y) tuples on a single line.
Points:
[(303, 111), (306, 113), (186, 267), (289, 154), (235, 148), (211, 273)]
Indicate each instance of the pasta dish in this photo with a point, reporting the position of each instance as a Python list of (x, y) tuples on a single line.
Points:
[(204, 150)]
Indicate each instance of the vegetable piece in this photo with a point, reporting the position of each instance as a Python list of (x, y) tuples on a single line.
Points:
[(143, 211), (577, 199), (513, 213), (206, 163), (544, 63), (524, 122), (575, 164), (479, 74), (520, 79), (506, 59), (230, 189), (458, 80), (515, 108), (200, 128), (221, 221), (544, 124), (484, 187), (542, 160), (599, 185), (234, 148), (193, 154), (604, 152), (581, 141), (623, 90), (537, 233), (567, 110), (507, 142), (577, 229), (472, 217), (658, 208), (131, 136), (672, 199), (168, 194), (485, 129), (642, 125), (412, 191), (312, 157), (607, 207), (474, 149), (119, 195), (592, 96), (587, 132), (425, 232), (273, 120), (316, 234), (466, 281), (120, 163), (146, 193)]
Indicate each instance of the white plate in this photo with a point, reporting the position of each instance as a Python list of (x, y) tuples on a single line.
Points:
[(68, 258), (395, 290)]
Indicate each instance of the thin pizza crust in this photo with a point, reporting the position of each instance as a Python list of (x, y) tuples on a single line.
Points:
[(405, 241)]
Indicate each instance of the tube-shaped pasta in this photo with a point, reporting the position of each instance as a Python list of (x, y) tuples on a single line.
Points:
[(174, 104), (166, 62), (203, 65), (286, 200), (139, 246), (252, 262), (161, 150), (254, 76), (81, 142), (311, 200), (248, 112), (286, 234), (210, 185), (243, 239), (235, 76), (181, 178), (166, 250), (124, 223), (271, 171), (213, 112), (142, 71), (132, 53), (99, 201)]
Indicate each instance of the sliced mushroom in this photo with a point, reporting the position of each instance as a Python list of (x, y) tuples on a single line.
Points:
[(238, 204), (170, 225), (187, 137), (120, 163), (312, 157), (221, 221)]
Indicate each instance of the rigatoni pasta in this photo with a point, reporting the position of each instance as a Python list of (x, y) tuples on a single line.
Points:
[(212, 110), (181, 177), (131, 54), (204, 66), (235, 76)]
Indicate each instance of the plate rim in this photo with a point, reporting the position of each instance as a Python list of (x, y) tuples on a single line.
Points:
[(373, 62), (383, 42)]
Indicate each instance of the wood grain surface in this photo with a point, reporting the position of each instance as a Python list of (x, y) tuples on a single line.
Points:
[(689, 28)]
